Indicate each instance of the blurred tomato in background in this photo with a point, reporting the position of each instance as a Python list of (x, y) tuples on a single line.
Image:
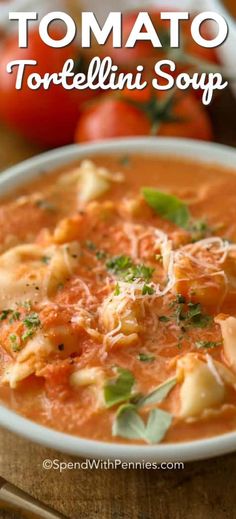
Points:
[(144, 113), (56, 116), (48, 117)]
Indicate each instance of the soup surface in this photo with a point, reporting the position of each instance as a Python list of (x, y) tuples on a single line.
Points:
[(118, 300)]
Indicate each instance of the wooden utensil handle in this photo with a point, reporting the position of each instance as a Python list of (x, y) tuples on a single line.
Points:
[(14, 498)]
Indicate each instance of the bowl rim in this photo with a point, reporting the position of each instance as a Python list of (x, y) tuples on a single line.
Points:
[(82, 447)]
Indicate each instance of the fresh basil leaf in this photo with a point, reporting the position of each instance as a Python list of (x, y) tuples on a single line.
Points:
[(158, 424), (120, 388), (158, 394), (168, 206), (128, 424)]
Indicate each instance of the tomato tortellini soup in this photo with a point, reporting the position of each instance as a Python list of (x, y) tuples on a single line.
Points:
[(118, 300)]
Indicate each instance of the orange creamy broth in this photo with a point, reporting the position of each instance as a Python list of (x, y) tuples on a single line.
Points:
[(49, 398)]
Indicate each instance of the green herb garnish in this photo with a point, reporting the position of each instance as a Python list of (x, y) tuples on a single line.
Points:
[(90, 245), (164, 319), (146, 357), (148, 290), (14, 343), (117, 290), (190, 314), (199, 230), (168, 206), (119, 264), (4, 314), (15, 316), (123, 267), (46, 205), (207, 344), (119, 389), (129, 424), (31, 323), (101, 255), (46, 260), (158, 394)]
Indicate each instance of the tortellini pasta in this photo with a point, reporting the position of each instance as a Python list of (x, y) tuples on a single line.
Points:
[(31, 272), (119, 316), (228, 329), (201, 388), (92, 379), (87, 377), (92, 181), (29, 360)]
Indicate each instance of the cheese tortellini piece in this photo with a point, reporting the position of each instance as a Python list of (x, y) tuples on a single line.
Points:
[(228, 329), (119, 316), (92, 181), (87, 377), (93, 379), (62, 265), (202, 387), (32, 272), (29, 360)]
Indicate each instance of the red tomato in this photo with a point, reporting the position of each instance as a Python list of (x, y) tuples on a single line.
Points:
[(47, 117), (144, 113)]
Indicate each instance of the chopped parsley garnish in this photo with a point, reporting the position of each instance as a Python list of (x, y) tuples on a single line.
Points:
[(90, 245), (195, 316), (123, 267), (31, 323), (15, 316), (148, 290), (189, 314), (146, 357), (164, 319), (101, 255), (45, 260), (207, 344), (27, 305), (15, 346), (4, 314), (119, 265), (45, 205), (32, 320), (117, 290), (141, 272), (199, 230)]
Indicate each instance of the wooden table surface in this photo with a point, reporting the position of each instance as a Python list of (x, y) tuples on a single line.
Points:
[(203, 490)]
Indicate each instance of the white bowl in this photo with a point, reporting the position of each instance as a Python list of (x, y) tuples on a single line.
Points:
[(184, 451)]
